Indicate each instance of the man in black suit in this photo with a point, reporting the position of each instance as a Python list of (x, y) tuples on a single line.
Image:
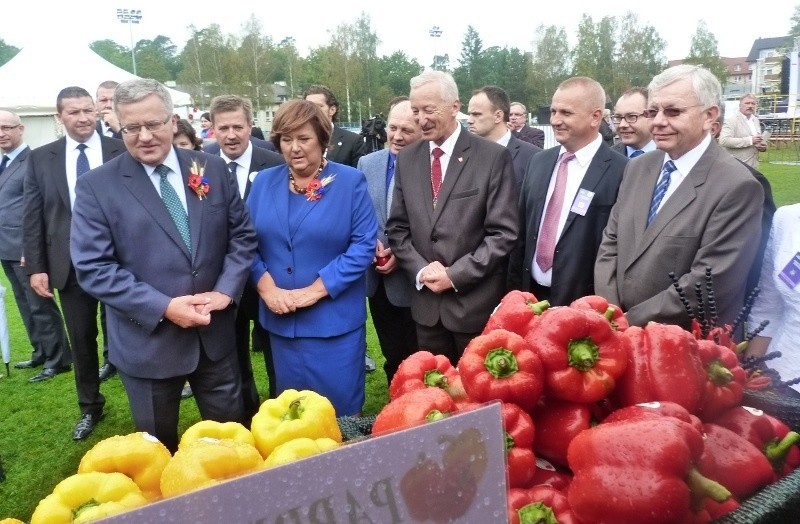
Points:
[(50, 180), (566, 199), (40, 316), (488, 117), (517, 122), (231, 117), (345, 147), (633, 128), (213, 148), (107, 123)]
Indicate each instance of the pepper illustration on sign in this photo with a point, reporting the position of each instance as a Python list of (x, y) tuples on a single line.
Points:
[(444, 492)]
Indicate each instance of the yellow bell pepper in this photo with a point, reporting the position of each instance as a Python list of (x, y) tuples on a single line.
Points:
[(140, 456), (85, 497), (299, 448), (206, 462), (10, 520), (292, 415), (217, 430)]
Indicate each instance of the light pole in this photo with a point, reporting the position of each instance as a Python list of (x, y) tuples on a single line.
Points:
[(435, 32), (130, 17)]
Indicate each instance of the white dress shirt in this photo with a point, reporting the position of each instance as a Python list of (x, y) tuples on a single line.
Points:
[(778, 302), (94, 152), (175, 178), (242, 167)]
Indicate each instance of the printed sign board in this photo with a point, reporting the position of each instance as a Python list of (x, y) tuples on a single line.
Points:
[(451, 470)]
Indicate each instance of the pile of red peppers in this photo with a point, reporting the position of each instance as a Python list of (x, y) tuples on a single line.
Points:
[(604, 422)]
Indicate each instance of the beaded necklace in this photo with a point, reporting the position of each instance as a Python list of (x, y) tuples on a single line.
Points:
[(303, 190)]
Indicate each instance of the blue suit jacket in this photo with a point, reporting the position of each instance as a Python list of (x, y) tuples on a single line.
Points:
[(334, 240), (128, 253), (397, 284)]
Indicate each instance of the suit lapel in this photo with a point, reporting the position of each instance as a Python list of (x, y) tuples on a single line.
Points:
[(194, 205), (541, 182), (135, 179), (455, 166), (57, 165)]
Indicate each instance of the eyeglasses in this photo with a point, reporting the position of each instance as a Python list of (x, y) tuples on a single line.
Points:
[(8, 129), (669, 112), (516, 114), (629, 118), (153, 127)]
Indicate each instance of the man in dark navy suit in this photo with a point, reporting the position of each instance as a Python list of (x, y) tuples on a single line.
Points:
[(345, 147)]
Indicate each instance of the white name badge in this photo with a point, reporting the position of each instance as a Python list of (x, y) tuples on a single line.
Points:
[(581, 203)]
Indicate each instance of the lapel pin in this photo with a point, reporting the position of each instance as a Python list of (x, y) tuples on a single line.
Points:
[(461, 159)]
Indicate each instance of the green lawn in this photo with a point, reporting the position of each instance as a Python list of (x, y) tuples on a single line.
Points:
[(36, 420)]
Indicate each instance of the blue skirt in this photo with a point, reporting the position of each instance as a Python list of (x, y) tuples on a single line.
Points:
[(331, 366)]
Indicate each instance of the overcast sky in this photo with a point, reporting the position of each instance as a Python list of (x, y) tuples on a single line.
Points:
[(400, 25)]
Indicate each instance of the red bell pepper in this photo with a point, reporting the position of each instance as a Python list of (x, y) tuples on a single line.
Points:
[(581, 354), (520, 431), (725, 379), (779, 444), (734, 462), (664, 365), (557, 423), (500, 365), (655, 410), (539, 505), (421, 370), (415, 407), (719, 509), (648, 464), (612, 312), (547, 473), (517, 312)]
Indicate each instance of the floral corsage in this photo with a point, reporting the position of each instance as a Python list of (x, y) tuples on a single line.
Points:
[(197, 181), (317, 188)]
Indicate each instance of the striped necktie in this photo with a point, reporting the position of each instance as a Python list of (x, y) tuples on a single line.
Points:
[(660, 190)]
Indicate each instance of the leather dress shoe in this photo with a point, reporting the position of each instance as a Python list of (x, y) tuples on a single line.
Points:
[(27, 364), (48, 373), (107, 371), (86, 425)]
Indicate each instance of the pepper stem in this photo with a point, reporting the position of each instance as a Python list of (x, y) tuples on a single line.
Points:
[(702, 487), (539, 307), (295, 410), (76, 512), (435, 415), (583, 354), (536, 513), (435, 379), (609, 314), (776, 451), (509, 442), (718, 374), (501, 363)]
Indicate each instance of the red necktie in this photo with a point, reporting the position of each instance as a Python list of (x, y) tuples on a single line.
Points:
[(546, 247), (436, 174)]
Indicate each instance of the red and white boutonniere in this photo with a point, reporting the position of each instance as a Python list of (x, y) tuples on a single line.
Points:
[(197, 181), (317, 188)]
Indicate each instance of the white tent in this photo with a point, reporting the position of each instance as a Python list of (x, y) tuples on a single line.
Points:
[(32, 79)]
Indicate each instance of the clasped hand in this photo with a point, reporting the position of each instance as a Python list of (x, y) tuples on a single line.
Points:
[(195, 310), (434, 277)]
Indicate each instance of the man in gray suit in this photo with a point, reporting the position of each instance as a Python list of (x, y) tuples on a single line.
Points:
[(683, 208), (488, 117), (453, 220), (168, 249), (40, 315), (388, 287)]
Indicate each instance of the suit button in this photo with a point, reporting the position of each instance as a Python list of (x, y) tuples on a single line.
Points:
[(434, 239), (194, 273), (289, 270)]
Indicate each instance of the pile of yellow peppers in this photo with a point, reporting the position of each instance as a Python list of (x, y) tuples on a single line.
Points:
[(125, 472)]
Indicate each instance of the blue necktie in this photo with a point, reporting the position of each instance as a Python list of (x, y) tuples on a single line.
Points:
[(174, 206), (82, 165), (636, 153), (3, 164), (660, 190), (390, 173)]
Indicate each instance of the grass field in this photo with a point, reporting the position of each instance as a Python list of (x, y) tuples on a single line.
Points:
[(36, 420)]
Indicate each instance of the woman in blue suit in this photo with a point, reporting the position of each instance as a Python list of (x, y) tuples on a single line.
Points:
[(316, 238)]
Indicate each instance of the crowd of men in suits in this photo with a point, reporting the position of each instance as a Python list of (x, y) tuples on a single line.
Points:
[(465, 214)]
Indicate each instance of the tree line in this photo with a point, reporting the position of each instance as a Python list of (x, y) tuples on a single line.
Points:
[(619, 52)]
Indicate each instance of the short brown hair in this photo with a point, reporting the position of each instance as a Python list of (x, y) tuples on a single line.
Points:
[(228, 103), (293, 115)]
